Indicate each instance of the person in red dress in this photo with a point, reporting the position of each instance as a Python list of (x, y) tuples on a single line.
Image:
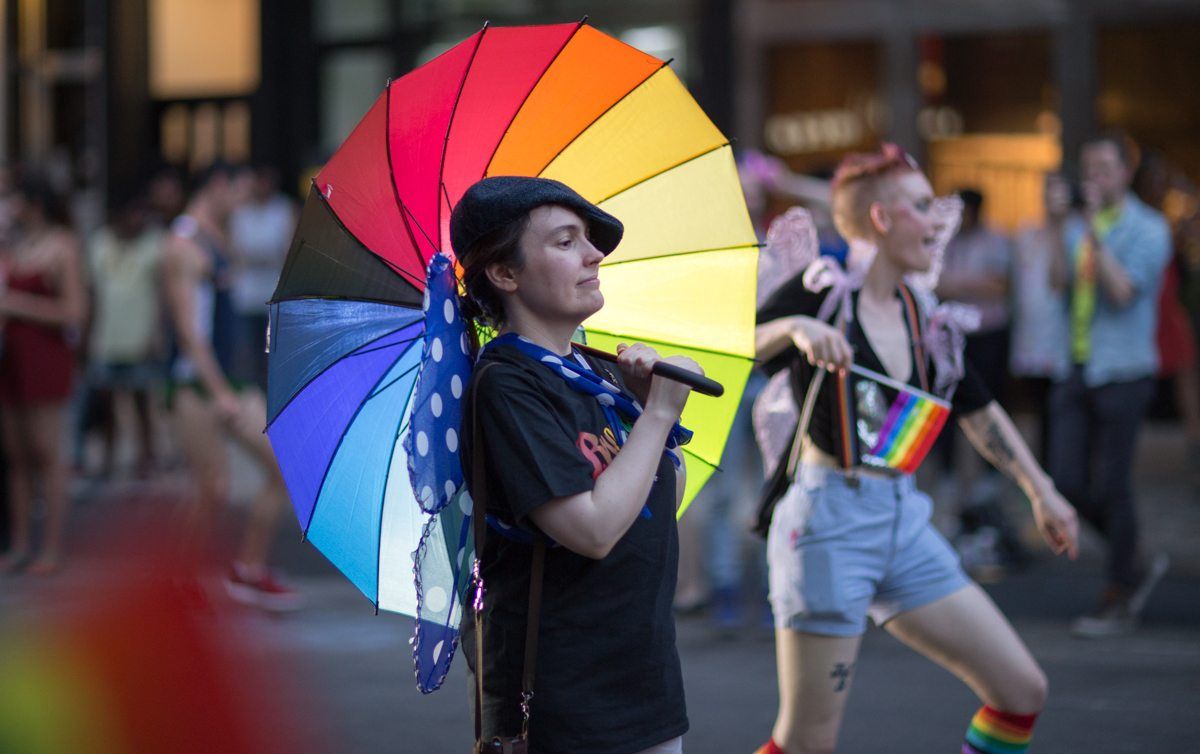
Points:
[(42, 307)]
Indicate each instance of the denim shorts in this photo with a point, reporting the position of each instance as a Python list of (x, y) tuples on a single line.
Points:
[(841, 549), (141, 375)]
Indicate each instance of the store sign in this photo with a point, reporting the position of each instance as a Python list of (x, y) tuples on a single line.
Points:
[(814, 131), (843, 128)]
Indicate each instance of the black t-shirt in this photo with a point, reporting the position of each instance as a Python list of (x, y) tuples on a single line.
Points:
[(608, 676), (824, 429)]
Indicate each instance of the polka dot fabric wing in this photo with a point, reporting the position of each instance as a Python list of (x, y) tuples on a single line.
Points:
[(432, 440), (443, 574)]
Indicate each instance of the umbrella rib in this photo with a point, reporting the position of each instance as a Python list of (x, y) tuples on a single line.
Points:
[(665, 170), (400, 431), (332, 456), (387, 476), (441, 184), (375, 349), (445, 194), (390, 264), (399, 377), (541, 76), (711, 351), (387, 143), (338, 360), (622, 98), (364, 299), (710, 464), (331, 260), (715, 469), (674, 254), (394, 267)]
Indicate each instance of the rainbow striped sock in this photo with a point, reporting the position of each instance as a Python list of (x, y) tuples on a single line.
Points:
[(996, 732), (770, 747)]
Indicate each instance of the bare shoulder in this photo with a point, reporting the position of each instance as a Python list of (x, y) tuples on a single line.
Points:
[(181, 255), (56, 253), (64, 241)]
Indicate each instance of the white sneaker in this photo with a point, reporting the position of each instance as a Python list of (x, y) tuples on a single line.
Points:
[(1120, 611), (1158, 567)]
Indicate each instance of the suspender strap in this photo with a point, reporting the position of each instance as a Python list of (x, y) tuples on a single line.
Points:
[(479, 494), (844, 409), (847, 448), (915, 327)]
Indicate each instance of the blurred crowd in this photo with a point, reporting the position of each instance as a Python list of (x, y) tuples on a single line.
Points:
[(99, 332), (101, 341), (1020, 350)]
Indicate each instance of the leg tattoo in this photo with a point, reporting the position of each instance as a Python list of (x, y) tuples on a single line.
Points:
[(841, 674)]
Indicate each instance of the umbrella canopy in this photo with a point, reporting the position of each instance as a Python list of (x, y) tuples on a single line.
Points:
[(350, 334)]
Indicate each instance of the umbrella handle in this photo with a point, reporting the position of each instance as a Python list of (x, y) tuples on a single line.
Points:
[(697, 382)]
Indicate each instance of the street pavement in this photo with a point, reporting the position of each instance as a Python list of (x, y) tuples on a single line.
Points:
[(1128, 694)]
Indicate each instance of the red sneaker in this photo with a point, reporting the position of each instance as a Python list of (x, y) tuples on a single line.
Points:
[(260, 588)]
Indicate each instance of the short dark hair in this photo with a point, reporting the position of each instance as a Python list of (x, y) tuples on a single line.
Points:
[(1125, 146), (124, 196), (971, 198), (482, 302), (38, 191), (200, 179)]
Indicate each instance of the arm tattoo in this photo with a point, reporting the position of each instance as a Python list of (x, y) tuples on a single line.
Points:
[(997, 448)]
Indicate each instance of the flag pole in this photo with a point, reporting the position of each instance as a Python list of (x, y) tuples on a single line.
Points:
[(871, 374)]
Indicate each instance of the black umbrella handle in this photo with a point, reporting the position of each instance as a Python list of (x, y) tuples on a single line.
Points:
[(697, 382)]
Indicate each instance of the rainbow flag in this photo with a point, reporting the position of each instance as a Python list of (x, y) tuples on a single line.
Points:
[(911, 427)]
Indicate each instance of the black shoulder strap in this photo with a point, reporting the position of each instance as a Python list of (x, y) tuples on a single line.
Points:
[(479, 496)]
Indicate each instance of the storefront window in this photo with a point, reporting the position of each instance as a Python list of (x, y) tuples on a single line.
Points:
[(989, 120), (663, 42), (351, 81), (208, 49), (1147, 82), (342, 20), (823, 100)]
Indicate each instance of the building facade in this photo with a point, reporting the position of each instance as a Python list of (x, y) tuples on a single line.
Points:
[(988, 93)]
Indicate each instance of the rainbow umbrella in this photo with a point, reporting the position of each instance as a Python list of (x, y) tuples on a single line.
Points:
[(356, 365)]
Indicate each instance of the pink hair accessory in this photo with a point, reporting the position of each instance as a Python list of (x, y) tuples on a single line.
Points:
[(825, 272), (859, 165), (946, 331)]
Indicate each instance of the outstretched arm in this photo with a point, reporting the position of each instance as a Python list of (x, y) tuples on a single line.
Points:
[(992, 433), (823, 344)]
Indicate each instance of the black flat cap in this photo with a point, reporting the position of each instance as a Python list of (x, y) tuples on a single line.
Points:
[(494, 202)]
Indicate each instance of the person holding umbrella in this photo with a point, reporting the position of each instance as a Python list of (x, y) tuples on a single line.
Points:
[(579, 453), (849, 539)]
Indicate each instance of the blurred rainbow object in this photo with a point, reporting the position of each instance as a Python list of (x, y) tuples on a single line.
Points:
[(912, 425), (137, 661)]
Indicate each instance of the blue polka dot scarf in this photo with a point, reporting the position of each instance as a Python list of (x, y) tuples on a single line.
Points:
[(621, 409), (432, 440)]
